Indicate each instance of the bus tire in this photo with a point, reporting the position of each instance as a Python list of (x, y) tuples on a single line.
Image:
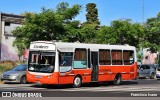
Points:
[(23, 80), (117, 79), (77, 82)]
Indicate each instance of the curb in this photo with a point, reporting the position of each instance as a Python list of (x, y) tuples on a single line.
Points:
[(1, 82)]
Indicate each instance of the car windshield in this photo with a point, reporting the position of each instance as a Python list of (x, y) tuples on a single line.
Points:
[(20, 68), (41, 61)]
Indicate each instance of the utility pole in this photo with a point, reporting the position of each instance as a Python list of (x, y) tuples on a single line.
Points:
[(142, 12)]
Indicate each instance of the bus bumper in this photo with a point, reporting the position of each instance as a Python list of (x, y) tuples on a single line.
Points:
[(43, 79)]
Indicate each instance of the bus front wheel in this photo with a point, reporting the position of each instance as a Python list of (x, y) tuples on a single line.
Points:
[(77, 82)]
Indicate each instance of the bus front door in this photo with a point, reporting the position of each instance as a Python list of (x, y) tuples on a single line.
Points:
[(94, 61)]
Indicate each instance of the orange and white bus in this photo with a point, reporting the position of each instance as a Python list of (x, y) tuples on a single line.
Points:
[(76, 63)]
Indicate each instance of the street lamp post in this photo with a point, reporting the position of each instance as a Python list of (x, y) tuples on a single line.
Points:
[(143, 12)]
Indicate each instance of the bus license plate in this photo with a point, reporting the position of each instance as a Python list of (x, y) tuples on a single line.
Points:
[(38, 76)]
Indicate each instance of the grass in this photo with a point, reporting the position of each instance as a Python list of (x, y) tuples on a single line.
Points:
[(4, 66), (7, 65)]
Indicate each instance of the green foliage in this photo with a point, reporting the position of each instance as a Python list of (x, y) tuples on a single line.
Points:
[(5, 66), (139, 57), (66, 12), (153, 32), (73, 32), (85, 33), (3, 69), (121, 32), (92, 14), (58, 24), (89, 32), (47, 25), (105, 35)]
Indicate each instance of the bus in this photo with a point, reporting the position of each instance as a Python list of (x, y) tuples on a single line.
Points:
[(52, 62)]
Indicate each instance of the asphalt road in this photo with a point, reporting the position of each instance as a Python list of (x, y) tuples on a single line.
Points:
[(140, 88), (142, 84)]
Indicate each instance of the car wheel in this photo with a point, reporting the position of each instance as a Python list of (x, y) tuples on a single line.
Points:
[(23, 80), (77, 82), (152, 76), (117, 80)]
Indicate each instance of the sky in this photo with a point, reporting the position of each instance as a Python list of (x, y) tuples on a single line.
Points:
[(108, 10)]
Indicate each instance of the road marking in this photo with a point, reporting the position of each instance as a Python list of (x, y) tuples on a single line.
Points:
[(32, 87), (114, 89), (131, 89)]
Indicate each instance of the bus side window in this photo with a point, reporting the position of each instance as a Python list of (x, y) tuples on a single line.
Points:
[(128, 57), (80, 58), (104, 57), (65, 61), (116, 57), (131, 58)]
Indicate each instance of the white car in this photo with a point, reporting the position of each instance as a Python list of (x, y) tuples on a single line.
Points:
[(158, 73)]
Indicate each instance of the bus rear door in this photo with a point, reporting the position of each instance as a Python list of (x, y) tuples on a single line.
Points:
[(94, 61)]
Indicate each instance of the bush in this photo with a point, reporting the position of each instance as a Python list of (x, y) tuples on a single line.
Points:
[(6, 65)]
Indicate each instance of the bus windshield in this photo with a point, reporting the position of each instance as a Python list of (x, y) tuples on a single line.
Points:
[(41, 61)]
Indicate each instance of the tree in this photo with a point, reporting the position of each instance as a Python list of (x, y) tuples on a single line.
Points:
[(89, 32), (92, 14), (73, 32), (153, 32), (68, 13), (121, 32), (105, 35), (47, 25), (127, 32), (81, 33)]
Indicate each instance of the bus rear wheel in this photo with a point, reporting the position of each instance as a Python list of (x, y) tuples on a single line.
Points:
[(77, 82), (117, 80)]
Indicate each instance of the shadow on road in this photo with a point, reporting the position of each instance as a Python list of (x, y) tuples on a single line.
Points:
[(94, 84), (129, 82), (10, 83)]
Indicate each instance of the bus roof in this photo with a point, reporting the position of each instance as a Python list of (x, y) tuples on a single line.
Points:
[(86, 45)]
